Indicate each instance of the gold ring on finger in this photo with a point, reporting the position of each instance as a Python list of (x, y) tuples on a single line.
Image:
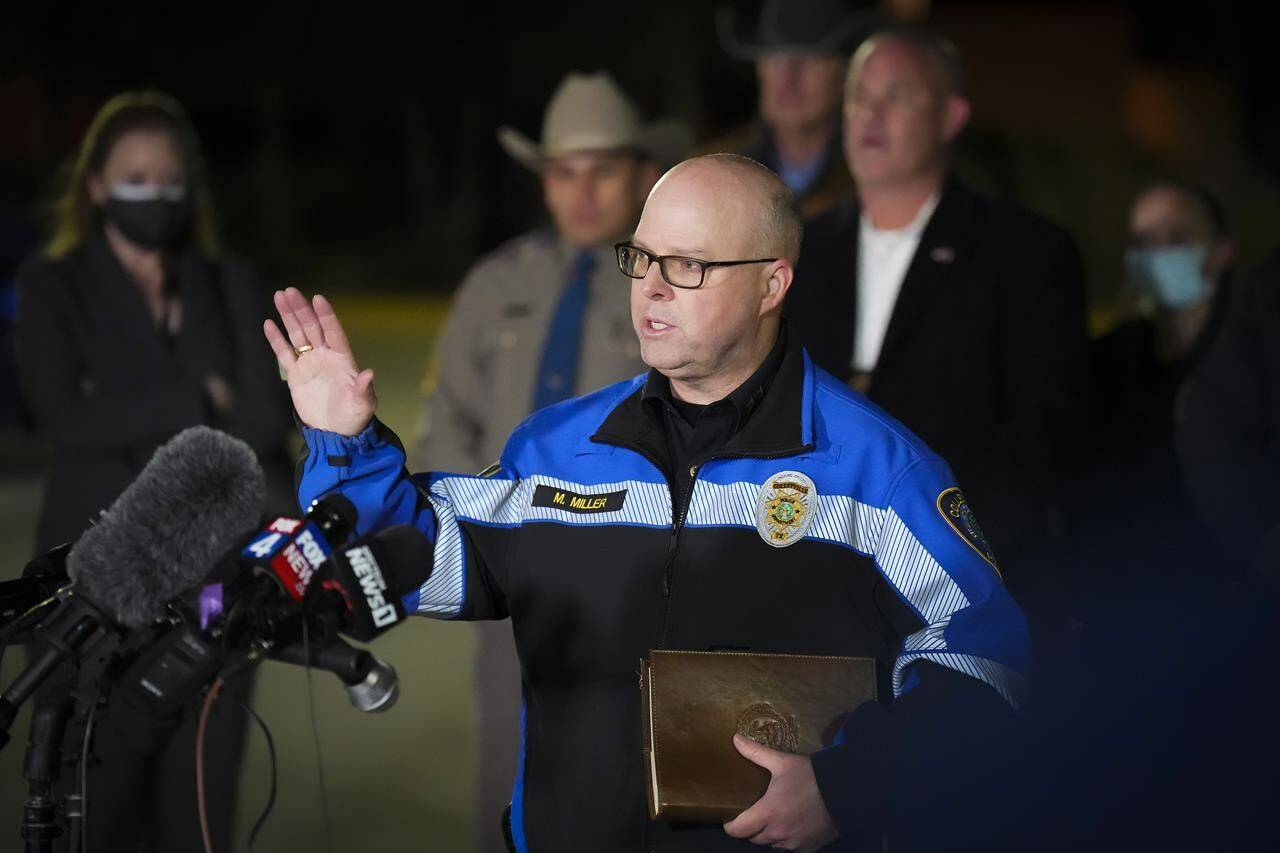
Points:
[(303, 350)]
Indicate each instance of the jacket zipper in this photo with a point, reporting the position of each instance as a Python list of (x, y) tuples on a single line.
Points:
[(668, 572), (680, 511), (673, 548)]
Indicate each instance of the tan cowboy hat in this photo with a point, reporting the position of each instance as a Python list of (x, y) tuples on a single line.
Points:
[(588, 112)]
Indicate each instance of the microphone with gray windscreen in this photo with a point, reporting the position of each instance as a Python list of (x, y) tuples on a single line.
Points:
[(201, 491)]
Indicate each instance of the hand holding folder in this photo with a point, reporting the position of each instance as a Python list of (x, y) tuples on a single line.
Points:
[(692, 704)]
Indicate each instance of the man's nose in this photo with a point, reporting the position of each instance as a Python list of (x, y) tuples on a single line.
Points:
[(868, 111), (584, 189), (654, 286), (791, 68)]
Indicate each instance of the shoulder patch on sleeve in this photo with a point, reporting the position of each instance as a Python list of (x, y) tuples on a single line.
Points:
[(955, 509)]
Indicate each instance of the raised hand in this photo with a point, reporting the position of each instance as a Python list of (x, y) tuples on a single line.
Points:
[(329, 389)]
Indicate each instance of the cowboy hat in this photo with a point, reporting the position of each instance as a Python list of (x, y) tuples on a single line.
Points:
[(799, 26), (589, 112)]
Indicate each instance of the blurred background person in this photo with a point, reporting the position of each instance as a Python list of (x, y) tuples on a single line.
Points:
[(1135, 529), (107, 363), (112, 368), (541, 319), (960, 315), (1228, 430), (1179, 268), (801, 51)]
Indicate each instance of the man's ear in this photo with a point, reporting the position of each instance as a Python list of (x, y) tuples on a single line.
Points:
[(955, 115), (781, 274)]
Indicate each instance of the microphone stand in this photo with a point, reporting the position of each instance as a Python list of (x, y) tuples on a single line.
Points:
[(41, 768), (76, 638)]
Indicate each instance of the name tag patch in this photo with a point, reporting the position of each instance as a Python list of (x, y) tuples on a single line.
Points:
[(568, 501)]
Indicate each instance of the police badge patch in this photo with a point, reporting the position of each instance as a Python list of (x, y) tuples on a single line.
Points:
[(955, 509), (785, 507)]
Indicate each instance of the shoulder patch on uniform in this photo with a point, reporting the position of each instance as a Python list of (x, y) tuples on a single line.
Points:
[(549, 496), (955, 509), (785, 507)]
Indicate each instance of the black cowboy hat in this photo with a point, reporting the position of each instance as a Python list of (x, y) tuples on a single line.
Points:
[(799, 26)]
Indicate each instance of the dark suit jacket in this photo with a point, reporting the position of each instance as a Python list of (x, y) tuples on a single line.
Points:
[(985, 354), (1228, 429), (109, 388)]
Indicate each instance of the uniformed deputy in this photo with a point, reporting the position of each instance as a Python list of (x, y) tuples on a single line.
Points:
[(542, 319), (497, 359), (876, 554)]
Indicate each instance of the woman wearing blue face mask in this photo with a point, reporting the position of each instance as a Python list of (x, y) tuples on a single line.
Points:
[(1178, 267), (1135, 531), (131, 328)]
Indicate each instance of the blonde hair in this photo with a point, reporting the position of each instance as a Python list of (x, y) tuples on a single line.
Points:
[(76, 217)]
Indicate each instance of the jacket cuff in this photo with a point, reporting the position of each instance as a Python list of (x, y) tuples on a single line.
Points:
[(333, 444), (854, 775), (333, 461)]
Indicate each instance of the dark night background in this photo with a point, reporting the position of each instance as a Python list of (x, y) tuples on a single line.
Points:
[(351, 149), (354, 147)]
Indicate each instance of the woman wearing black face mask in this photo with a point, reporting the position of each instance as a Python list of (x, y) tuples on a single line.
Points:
[(130, 330)]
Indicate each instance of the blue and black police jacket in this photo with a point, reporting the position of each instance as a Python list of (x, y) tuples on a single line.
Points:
[(823, 527)]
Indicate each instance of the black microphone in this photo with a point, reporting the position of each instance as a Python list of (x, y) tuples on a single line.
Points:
[(357, 591), (200, 491), (289, 550), (364, 583), (21, 599), (371, 683), (257, 587), (363, 586)]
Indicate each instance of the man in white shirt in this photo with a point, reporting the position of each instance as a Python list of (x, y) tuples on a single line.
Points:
[(962, 316), (885, 254)]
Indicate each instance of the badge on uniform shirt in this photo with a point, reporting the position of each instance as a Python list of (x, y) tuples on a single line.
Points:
[(785, 507), (955, 509)]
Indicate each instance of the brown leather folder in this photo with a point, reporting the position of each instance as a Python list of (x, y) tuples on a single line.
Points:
[(692, 703)]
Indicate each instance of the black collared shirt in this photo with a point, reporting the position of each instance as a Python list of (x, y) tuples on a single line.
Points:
[(695, 432)]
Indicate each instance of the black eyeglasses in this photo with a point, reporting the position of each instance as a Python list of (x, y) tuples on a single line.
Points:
[(678, 271)]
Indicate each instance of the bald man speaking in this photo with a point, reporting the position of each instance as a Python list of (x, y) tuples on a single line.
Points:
[(668, 542)]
